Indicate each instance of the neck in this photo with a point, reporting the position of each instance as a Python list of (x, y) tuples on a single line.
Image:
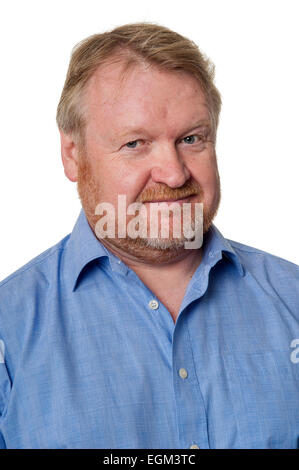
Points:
[(166, 273), (161, 274), (150, 259)]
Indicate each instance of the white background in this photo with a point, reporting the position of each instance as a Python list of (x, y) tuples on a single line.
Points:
[(254, 45)]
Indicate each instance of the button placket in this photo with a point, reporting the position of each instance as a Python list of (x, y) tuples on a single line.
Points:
[(187, 391)]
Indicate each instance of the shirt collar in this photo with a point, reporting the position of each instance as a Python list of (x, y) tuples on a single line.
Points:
[(84, 247), (215, 246)]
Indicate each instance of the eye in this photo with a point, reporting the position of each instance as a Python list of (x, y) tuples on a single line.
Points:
[(193, 139), (132, 144)]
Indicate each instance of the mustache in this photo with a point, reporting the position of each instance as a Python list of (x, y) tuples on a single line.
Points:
[(164, 192)]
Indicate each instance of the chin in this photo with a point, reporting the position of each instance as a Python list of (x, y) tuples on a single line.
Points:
[(162, 243)]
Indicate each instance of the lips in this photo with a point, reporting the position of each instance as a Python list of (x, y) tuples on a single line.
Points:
[(169, 201)]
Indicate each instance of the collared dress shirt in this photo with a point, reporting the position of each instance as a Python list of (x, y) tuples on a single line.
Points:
[(90, 358)]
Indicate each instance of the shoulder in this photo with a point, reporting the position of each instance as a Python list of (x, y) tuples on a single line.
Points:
[(38, 270), (269, 270), (254, 257), (28, 288)]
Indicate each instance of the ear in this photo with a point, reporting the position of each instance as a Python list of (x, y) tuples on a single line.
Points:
[(69, 155)]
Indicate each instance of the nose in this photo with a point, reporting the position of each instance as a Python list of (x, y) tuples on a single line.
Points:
[(170, 168)]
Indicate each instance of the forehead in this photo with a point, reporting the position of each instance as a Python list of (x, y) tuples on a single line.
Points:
[(144, 96)]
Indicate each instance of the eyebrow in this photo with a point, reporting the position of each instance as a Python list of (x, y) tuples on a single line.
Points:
[(131, 130), (202, 123)]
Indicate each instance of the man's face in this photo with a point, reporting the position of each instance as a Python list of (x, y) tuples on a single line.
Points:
[(148, 137)]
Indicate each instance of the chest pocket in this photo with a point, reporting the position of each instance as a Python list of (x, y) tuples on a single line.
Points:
[(265, 391)]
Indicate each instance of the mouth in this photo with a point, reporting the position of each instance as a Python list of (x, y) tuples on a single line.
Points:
[(170, 201)]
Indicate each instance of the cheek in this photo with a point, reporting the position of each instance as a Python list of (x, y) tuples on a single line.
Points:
[(206, 175), (123, 178), (211, 190), (133, 181)]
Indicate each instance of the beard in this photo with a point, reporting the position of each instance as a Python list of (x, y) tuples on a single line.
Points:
[(147, 248)]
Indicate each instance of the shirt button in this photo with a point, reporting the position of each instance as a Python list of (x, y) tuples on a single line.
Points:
[(153, 304), (183, 373), (194, 446)]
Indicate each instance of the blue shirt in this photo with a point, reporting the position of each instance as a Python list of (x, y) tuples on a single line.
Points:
[(87, 360)]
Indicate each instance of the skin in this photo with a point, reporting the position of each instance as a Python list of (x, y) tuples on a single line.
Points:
[(171, 155)]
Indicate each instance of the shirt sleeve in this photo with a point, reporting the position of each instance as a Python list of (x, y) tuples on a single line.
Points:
[(5, 387)]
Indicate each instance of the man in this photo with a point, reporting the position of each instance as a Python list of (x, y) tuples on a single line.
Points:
[(137, 341)]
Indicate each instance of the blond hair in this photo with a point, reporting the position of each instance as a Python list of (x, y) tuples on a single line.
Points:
[(133, 43)]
